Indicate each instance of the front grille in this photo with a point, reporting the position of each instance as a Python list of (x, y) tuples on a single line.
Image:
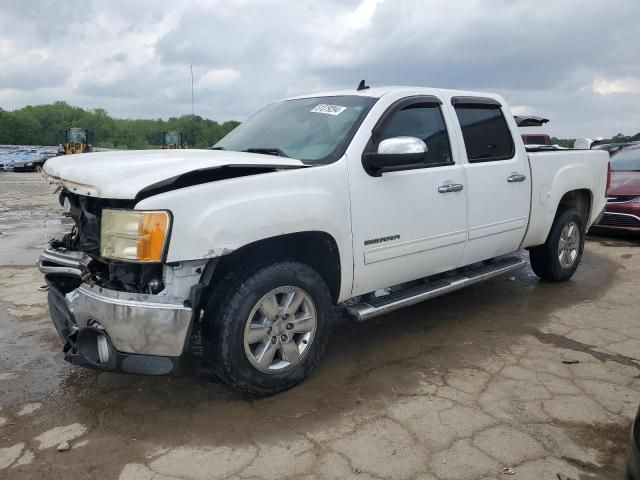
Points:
[(619, 220)]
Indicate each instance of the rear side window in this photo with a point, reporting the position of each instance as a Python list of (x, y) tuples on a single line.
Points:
[(536, 140), (423, 121), (485, 131)]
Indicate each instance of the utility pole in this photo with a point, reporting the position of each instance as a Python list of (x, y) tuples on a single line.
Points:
[(193, 115)]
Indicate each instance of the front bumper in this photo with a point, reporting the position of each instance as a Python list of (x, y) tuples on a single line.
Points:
[(113, 330)]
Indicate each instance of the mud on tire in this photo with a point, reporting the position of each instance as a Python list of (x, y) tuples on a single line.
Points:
[(230, 307), (547, 260)]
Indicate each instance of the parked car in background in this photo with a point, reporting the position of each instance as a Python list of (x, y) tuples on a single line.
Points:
[(622, 212), (613, 147), (31, 162), (536, 139)]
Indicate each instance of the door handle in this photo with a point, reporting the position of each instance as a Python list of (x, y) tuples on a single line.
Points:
[(450, 187), (516, 177)]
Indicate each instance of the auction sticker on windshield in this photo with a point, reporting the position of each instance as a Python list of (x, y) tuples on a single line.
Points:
[(328, 109)]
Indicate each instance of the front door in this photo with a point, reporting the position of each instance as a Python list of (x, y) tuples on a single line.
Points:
[(413, 223)]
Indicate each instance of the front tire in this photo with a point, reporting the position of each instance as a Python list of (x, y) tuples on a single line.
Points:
[(264, 330), (558, 258)]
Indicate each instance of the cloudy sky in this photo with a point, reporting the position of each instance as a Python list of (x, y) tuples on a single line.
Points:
[(575, 61)]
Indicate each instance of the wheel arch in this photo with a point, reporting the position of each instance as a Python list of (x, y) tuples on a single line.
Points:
[(581, 199), (317, 249)]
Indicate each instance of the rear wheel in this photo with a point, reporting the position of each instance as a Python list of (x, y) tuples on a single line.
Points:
[(265, 330), (559, 257)]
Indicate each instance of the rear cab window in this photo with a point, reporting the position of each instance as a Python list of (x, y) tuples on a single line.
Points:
[(486, 134)]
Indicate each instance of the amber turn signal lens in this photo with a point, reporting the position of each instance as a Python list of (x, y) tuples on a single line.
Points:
[(134, 236)]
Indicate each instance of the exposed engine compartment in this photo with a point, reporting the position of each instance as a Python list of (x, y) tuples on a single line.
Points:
[(84, 237)]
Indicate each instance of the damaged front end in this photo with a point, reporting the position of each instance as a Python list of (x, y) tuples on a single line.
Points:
[(115, 315)]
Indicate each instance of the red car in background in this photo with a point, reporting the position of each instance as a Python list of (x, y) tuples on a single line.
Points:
[(622, 212)]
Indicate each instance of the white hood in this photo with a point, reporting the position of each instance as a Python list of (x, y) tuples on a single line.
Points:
[(122, 174)]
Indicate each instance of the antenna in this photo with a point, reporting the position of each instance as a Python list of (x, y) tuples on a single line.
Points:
[(362, 85)]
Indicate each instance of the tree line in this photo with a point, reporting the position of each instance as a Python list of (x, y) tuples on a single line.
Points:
[(618, 138), (45, 125)]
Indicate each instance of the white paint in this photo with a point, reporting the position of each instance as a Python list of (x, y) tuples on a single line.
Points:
[(435, 232), (8, 376), (57, 435), (122, 174)]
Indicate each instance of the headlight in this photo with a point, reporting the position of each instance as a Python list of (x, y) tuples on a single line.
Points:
[(30, 164), (134, 236)]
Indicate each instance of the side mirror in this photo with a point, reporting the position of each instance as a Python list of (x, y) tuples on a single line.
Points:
[(394, 154)]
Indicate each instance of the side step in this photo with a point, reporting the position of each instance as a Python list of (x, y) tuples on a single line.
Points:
[(394, 301)]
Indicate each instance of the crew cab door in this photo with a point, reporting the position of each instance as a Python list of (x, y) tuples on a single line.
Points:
[(498, 178), (409, 223)]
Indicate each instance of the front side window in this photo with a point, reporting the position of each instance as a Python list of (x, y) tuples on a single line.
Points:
[(314, 130), (423, 121), (485, 131)]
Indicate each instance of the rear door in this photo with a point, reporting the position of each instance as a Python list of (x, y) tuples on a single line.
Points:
[(497, 172)]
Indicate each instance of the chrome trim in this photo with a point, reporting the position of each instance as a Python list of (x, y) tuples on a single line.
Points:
[(361, 312), (65, 262), (516, 177), (135, 323), (610, 201), (450, 187), (622, 215)]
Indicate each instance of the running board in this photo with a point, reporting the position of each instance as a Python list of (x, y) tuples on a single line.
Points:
[(394, 301)]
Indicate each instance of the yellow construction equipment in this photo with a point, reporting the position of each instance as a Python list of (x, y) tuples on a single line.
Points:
[(172, 140), (76, 140)]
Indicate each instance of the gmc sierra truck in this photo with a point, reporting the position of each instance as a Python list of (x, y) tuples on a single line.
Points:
[(361, 201)]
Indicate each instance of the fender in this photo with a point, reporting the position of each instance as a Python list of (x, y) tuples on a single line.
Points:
[(551, 184), (214, 219)]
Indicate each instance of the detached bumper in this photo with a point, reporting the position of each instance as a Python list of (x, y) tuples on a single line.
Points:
[(136, 323), (105, 332)]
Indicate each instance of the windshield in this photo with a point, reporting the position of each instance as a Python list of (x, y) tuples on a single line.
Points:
[(76, 135), (626, 160), (314, 130)]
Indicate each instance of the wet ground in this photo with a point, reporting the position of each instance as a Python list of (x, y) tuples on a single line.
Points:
[(513, 373)]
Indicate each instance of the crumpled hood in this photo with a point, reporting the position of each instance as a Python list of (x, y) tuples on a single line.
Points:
[(625, 183), (122, 174)]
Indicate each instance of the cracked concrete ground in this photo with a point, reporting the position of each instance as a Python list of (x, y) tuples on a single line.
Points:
[(460, 387)]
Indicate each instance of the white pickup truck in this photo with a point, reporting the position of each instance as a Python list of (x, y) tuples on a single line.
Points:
[(369, 200)]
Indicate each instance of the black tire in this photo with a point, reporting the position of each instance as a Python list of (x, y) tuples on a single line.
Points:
[(545, 260), (226, 313)]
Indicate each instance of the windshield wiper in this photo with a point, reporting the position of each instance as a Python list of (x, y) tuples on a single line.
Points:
[(267, 151), (217, 148)]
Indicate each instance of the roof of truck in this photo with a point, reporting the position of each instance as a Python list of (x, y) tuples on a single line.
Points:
[(377, 92)]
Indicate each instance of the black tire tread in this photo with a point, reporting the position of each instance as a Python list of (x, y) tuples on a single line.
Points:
[(219, 318), (544, 261)]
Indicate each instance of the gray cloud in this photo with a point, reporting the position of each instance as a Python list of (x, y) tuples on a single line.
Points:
[(575, 61)]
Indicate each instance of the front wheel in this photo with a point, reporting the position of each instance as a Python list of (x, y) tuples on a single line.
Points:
[(559, 257), (266, 329)]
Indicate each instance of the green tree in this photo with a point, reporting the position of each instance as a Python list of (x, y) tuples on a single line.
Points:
[(45, 125)]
